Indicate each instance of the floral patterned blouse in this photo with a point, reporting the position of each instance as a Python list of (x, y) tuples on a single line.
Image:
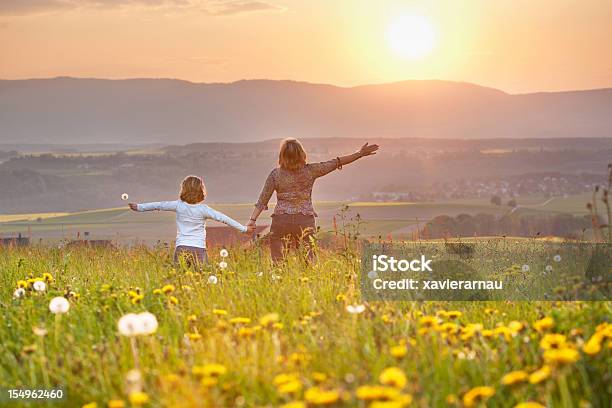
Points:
[(294, 188)]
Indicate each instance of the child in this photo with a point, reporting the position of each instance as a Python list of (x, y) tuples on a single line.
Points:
[(191, 216)]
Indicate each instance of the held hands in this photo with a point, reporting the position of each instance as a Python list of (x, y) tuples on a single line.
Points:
[(251, 227), (133, 206), (368, 150)]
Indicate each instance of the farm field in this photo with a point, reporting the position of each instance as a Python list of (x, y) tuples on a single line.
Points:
[(294, 335), (397, 220)]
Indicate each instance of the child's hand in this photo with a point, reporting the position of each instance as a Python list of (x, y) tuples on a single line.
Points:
[(251, 228), (133, 206)]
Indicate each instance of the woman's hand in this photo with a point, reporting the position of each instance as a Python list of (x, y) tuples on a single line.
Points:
[(133, 206), (368, 150), (251, 227)]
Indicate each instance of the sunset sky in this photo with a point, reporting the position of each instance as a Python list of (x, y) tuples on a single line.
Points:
[(516, 46)]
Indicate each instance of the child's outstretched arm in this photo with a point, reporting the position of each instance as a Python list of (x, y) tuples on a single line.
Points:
[(155, 206), (219, 216)]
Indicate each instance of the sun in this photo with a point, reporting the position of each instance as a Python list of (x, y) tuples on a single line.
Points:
[(411, 36)]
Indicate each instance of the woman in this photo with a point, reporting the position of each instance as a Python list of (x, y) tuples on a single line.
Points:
[(293, 220)]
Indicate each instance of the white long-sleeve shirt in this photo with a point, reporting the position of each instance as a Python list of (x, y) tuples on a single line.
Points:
[(191, 220)]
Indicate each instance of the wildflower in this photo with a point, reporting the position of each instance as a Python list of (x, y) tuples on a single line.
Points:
[(340, 297), (19, 292), (529, 404), (213, 370), (565, 355), (268, 319), (290, 387), (148, 323), (593, 346), (525, 268), (294, 404), (544, 324), (393, 376), (135, 297), (376, 392), (166, 289), (540, 375), (47, 277), (116, 403), (90, 405), (157, 291), (429, 321), (454, 314), (39, 286), (209, 381), (553, 341), (59, 305), (240, 320), (557, 258), (399, 351), (284, 378), (477, 395), (222, 264), (514, 377), (22, 284), (355, 309), (39, 331), (246, 331), (138, 398), (515, 326), (219, 312), (212, 279), (319, 396), (129, 325), (223, 253), (125, 196), (319, 377), (173, 300)]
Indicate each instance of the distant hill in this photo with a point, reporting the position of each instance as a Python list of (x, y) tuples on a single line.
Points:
[(69, 110)]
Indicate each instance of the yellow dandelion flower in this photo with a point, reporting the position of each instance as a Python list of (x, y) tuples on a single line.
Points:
[(157, 291), (166, 289), (429, 321), (22, 284), (320, 396), (451, 399), (220, 312), (454, 314), (138, 398), (47, 277), (240, 320), (115, 403), (540, 375), (173, 300), (290, 387), (487, 333), (593, 346), (90, 405), (544, 324), (515, 377), (268, 319), (319, 377), (246, 332), (294, 404), (284, 378), (192, 318), (194, 336), (376, 392), (340, 297), (136, 299), (565, 355), (553, 341), (399, 351), (516, 326), (529, 404), (393, 376), (171, 378), (277, 326), (477, 395), (209, 381)]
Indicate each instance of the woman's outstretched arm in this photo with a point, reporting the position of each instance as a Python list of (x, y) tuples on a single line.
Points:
[(366, 150)]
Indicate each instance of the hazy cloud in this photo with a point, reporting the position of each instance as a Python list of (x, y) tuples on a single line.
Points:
[(211, 7)]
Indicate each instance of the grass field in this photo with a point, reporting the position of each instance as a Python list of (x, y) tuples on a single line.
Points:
[(396, 219), (294, 335)]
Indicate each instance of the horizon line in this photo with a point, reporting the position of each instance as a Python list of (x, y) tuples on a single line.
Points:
[(305, 82)]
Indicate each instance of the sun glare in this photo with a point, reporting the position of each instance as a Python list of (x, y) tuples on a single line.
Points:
[(411, 36)]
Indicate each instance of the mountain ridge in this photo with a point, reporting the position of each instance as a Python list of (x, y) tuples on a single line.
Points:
[(143, 110)]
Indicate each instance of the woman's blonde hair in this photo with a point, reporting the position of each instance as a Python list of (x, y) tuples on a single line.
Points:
[(193, 190), (292, 155)]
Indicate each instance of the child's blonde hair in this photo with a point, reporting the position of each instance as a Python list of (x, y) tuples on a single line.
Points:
[(193, 190), (292, 155)]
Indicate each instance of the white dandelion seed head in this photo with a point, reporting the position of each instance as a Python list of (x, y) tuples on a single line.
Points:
[(59, 305), (372, 275), (125, 196), (129, 325), (223, 253), (549, 268), (148, 323), (355, 309), (222, 264), (557, 258), (525, 268), (212, 279), (19, 292), (39, 286)]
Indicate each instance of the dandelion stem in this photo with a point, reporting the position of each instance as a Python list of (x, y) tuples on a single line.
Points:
[(134, 348)]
